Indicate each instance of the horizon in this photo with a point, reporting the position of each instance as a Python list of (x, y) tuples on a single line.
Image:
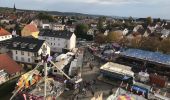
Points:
[(154, 8)]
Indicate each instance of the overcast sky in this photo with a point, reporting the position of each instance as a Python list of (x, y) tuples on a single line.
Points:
[(135, 8)]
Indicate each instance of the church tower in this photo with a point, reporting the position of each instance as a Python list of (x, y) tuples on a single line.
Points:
[(14, 9)]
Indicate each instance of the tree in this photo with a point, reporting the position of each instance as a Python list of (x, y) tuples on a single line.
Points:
[(81, 29), (100, 38), (165, 46), (45, 16), (63, 20), (100, 23), (135, 42), (151, 44), (149, 20), (130, 19), (114, 37)]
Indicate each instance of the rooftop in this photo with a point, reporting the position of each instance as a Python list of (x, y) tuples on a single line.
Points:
[(8, 64), (53, 33), (117, 68), (26, 44), (31, 28), (147, 55), (3, 32)]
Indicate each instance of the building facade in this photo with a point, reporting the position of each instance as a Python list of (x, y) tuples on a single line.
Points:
[(4, 35), (59, 40), (28, 50)]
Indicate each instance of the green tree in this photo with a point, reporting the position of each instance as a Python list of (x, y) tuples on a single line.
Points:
[(149, 20), (81, 29), (100, 23), (63, 18), (130, 19), (45, 16)]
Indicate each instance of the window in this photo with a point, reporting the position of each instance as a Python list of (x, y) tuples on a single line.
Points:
[(16, 58), (5, 36), (16, 52), (59, 44), (36, 54), (22, 59), (28, 54), (51, 43), (28, 59), (58, 39), (54, 43), (22, 52)]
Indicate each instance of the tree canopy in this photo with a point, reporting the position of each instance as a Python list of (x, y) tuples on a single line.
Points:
[(45, 16)]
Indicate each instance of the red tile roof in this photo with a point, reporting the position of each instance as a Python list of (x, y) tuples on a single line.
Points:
[(31, 27), (8, 64), (4, 32)]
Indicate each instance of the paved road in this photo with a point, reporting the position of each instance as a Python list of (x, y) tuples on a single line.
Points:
[(89, 75)]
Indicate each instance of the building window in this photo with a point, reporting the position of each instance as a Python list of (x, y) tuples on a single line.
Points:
[(28, 59), (54, 43), (59, 44), (16, 52), (28, 54), (22, 52), (51, 43), (36, 54), (58, 39), (22, 59), (16, 58)]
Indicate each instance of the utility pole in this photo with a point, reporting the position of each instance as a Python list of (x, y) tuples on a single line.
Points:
[(44, 58)]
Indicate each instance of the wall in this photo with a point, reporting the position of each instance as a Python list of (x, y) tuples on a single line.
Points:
[(6, 37), (56, 44), (72, 42), (25, 56)]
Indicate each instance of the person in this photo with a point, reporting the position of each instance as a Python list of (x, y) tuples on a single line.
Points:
[(91, 66)]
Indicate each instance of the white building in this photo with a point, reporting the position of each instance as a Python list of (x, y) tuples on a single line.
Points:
[(58, 27), (4, 35), (46, 26), (28, 50), (125, 31), (59, 40)]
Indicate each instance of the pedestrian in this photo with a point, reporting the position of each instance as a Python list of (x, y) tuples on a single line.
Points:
[(91, 66)]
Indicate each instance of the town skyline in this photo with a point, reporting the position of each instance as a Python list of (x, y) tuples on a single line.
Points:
[(123, 8)]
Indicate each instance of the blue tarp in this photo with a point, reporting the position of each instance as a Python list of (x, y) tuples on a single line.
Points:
[(147, 55)]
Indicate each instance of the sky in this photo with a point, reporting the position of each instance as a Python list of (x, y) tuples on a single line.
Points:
[(124, 8)]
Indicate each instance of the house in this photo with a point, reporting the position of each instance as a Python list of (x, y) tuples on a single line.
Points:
[(30, 30), (106, 32), (4, 35), (137, 27), (28, 50), (125, 31), (165, 33), (8, 67), (70, 28), (58, 27), (90, 32), (59, 40)]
